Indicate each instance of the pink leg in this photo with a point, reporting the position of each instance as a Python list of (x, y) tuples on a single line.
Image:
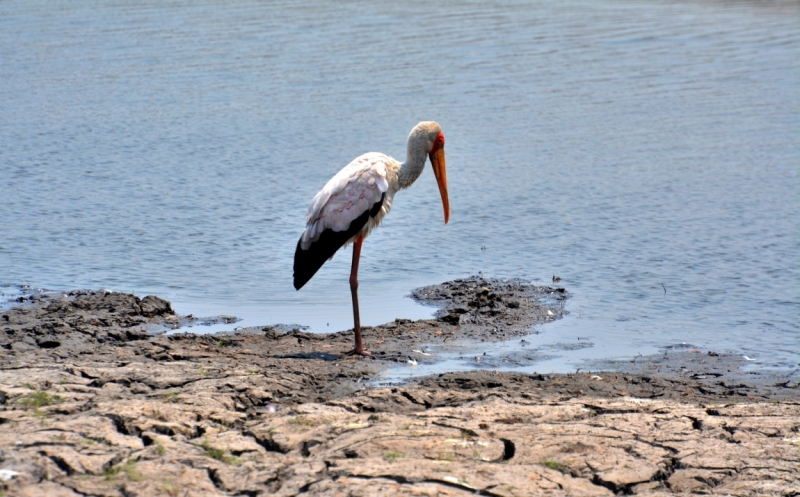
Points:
[(359, 348)]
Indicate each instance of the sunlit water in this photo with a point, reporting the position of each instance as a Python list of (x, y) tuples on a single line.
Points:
[(648, 153)]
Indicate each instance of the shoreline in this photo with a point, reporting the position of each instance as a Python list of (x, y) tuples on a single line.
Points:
[(93, 404)]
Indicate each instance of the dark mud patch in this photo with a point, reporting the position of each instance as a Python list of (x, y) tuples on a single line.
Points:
[(79, 320), (492, 308)]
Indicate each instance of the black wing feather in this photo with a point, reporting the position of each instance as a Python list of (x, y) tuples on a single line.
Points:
[(308, 262)]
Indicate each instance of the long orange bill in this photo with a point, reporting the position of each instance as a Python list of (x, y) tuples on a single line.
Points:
[(440, 171)]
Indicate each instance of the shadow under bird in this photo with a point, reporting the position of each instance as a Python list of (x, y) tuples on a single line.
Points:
[(354, 202)]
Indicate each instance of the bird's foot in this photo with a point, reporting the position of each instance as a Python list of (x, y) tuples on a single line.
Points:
[(358, 351)]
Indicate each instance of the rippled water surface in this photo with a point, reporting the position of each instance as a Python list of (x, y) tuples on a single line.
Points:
[(648, 153)]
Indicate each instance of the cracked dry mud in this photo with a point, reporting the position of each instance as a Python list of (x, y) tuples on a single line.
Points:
[(113, 411)]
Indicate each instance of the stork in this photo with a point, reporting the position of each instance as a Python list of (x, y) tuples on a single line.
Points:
[(354, 202)]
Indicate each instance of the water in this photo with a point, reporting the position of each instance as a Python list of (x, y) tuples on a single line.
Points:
[(645, 152)]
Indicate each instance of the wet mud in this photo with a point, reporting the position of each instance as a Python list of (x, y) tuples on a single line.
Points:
[(98, 398)]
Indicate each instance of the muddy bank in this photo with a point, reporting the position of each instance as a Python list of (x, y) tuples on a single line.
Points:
[(93, 404), (78, 322)]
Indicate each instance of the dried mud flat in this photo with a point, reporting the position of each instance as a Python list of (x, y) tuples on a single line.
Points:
[(93, 404)]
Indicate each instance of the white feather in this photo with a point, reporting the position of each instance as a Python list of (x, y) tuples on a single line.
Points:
[(354, 190)]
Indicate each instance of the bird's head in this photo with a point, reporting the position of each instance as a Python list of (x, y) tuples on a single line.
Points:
[(432, 138)]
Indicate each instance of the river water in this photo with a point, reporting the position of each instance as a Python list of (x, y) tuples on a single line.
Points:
[(648, 153)]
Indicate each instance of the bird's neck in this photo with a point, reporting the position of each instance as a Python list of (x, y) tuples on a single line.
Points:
[(413, 166)]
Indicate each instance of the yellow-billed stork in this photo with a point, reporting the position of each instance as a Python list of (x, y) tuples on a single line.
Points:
[(354, 202)]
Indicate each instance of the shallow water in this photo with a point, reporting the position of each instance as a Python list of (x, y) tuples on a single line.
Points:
[(645, 152)]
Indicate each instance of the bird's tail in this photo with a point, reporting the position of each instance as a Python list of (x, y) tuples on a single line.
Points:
[(308, 262)]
